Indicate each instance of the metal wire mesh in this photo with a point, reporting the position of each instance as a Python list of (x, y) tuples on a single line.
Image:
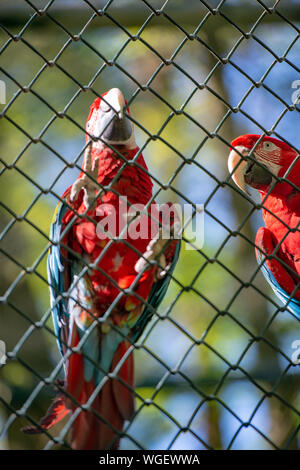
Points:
[(226, 347)]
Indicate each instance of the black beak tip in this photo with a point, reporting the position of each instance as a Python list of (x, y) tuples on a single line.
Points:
[(118, 130), (257, 176)]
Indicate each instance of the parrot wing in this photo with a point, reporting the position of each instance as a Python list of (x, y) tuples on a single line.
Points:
[(274, 272), (156, 296), (116, 400)]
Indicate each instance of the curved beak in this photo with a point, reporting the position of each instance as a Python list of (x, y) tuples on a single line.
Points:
[(113, 126), (114, 101), (237, 167)]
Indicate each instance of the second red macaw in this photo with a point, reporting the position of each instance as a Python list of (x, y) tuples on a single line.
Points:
[(278, 243)]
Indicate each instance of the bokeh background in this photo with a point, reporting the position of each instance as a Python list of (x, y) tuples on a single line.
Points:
[(217, 370)]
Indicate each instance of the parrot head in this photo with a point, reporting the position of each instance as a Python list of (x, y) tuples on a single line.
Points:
[(108, 122), (274, 158)]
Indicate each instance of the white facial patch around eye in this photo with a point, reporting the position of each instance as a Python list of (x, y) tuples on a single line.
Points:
[(269, 146), (269, 154), (269, 151)]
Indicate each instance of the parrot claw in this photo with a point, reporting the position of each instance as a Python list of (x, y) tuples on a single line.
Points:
[(161, 273), (86, 182), (154, 252)]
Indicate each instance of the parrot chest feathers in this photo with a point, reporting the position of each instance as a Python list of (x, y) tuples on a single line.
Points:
[(284, 224), (280, 217)]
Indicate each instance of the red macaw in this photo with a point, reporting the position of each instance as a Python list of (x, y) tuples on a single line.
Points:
[(278, 243), (88, 271)]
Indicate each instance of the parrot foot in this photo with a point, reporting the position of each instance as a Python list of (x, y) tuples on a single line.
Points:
[(155, 252), (87, 181)]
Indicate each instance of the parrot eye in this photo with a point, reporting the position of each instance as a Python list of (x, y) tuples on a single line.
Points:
[(269, 146)]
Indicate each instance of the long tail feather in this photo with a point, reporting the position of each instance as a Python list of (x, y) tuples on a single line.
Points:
[(99, 429), (92, 432)]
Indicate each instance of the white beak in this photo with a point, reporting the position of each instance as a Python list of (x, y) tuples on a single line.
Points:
[(237, 166), (110, 121)]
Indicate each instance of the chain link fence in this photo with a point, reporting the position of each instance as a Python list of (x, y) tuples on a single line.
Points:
[(214, 368)]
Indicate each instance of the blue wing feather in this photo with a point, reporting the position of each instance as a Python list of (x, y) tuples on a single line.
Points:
[(56, 270), (292, 304)]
